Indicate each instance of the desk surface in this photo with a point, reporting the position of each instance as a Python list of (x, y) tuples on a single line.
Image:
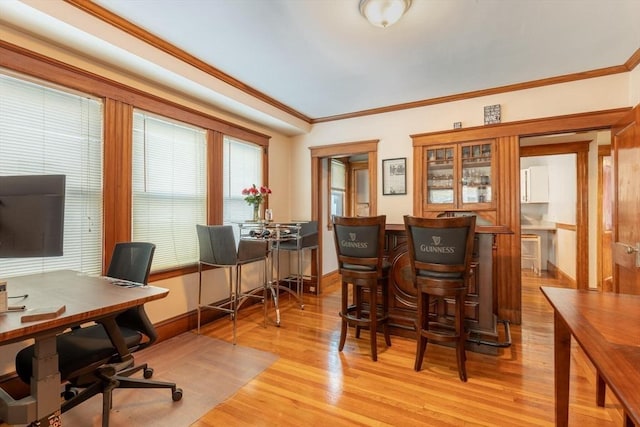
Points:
[(85, 298), (607, 327)]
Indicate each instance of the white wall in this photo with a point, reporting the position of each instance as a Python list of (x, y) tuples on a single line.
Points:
[(562, 208), (394, 129)]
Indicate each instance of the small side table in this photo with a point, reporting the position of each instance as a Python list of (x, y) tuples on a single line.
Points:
[(276, 233)]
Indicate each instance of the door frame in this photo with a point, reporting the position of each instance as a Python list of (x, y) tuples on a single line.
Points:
[(318, 154), (604, 250)]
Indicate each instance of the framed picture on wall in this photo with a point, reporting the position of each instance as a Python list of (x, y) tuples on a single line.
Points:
[(394, 176)]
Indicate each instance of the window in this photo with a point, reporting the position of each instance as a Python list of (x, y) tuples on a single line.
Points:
[(246, 159), (169, 188), (44, 130), (338, 177)]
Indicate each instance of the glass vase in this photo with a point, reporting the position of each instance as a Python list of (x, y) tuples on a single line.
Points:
[(256, 213)]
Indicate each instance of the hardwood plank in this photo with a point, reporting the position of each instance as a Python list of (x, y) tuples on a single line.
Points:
[(314, 384)]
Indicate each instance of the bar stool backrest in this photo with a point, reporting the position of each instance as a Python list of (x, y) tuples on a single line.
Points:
[(360, 242), (217, 245), (440, 248)]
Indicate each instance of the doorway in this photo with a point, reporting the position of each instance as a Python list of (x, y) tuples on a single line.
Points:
[(320, 190), (568, 233)]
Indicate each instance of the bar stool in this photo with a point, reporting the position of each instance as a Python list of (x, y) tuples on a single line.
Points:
[(306, 240), (440, 253), (360, 246), (217, 247), (530, 252)]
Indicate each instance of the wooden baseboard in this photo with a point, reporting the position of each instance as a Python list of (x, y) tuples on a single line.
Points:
[(561, 275)]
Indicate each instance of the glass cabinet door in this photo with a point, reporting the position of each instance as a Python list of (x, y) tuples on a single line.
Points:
[(476, 172), (459, 176), (441, 175)]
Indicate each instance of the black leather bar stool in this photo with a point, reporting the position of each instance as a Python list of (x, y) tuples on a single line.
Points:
[(218, 248), (440, 252), (360, 246)]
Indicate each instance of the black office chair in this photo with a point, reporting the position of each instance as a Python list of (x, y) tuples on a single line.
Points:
[(440, 254), (87, 359), (218, 249)]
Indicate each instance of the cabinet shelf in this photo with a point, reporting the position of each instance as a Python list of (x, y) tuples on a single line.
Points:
[(434, 165), (476, 163)]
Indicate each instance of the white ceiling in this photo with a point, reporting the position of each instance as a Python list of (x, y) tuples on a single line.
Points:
[(321, 58)]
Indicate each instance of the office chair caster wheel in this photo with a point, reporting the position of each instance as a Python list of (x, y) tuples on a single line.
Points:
[(69, 393), (176, 394), (147, 373)]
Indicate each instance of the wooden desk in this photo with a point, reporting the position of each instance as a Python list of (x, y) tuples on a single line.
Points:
[(607, 327), (86, 299)]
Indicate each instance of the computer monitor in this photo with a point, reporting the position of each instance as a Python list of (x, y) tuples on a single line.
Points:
[(31, 215)]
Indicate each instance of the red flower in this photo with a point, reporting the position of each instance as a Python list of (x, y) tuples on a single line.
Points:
[(255, 195)]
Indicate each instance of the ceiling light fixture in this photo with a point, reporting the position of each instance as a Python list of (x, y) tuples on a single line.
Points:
[(383, 13)]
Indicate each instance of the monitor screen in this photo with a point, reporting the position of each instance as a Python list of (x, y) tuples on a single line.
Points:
[(31, 215)]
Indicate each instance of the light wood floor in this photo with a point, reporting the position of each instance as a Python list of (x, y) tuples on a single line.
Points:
[(314, 384)]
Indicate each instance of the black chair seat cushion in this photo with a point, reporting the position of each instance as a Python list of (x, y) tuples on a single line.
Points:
[(308, 241), (77, 349), (386, 265), (440, 275)]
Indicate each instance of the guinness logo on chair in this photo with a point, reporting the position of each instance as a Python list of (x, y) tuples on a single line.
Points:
[(353, 242), (434, 246)]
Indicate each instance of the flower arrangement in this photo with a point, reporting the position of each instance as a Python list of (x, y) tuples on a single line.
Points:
[(255, 196)]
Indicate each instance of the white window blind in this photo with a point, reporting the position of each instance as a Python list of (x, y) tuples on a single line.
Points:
[(45, 130), (242, 168), (169, 188)]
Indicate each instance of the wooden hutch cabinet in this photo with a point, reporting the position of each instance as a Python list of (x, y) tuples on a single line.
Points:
[(459, 176), (455, 177)]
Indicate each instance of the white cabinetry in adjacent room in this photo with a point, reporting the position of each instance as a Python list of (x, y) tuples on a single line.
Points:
[(534, 184)]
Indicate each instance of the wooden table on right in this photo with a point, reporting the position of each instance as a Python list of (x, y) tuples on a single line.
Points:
[(607, 327)]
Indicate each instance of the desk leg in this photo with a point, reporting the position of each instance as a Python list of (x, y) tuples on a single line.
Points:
[(45, 387), (628, 422), (562, 366), (601, 388)]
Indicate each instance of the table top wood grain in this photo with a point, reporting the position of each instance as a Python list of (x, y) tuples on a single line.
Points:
[(85, 298), (607, 327)]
